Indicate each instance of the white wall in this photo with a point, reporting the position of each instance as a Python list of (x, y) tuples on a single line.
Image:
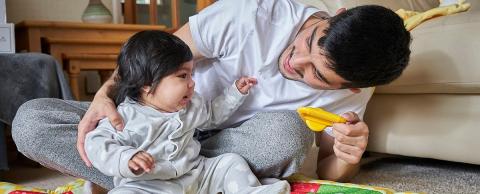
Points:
[(54, 10), (2, 12)]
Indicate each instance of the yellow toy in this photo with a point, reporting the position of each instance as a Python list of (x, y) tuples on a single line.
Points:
[(411, 19), (317, 119)]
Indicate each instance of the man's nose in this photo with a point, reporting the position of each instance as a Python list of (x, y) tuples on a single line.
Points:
[(299, 62)]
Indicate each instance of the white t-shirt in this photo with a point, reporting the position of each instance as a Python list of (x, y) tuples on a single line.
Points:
[(246, 38)]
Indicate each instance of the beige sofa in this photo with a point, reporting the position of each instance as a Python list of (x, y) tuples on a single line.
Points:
[(433, 109)]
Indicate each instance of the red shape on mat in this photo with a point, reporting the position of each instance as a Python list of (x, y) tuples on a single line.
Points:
[(25, 192), (301, 188), (33, 192)]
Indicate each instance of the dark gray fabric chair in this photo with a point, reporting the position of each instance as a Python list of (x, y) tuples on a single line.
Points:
[(26, 76)]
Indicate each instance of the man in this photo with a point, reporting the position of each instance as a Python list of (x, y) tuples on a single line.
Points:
[(300, 57)]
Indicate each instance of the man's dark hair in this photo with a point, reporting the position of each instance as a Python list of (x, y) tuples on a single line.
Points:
[(146, 58), (367, 46)]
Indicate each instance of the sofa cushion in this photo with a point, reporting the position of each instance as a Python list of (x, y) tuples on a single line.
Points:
[(444, 56), (333, 5)]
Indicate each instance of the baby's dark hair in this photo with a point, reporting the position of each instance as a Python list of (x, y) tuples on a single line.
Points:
[(146, 58), (367, 45)]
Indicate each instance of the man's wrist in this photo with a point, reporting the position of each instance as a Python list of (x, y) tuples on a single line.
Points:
[(344, 164), (106, 90), (336, 169), (349, 169), (101, 93)]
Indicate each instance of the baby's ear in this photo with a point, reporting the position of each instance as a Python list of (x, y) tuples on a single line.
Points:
[(146, 89)]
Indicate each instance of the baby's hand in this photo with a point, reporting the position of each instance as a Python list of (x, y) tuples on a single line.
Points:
[(245, 83), (141, 162)]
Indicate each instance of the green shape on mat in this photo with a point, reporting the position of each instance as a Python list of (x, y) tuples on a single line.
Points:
[(334, 189)]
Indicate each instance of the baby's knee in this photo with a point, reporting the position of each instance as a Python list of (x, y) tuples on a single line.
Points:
[(231, 157), (231, 160)]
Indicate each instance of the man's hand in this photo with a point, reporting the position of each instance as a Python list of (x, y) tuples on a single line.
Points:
[(102, 106), (141, 162), (351, 138)]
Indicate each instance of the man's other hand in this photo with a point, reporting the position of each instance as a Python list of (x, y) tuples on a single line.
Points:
[(351, 138)]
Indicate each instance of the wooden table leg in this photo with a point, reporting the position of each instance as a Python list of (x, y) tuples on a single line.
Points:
[(73, 70)]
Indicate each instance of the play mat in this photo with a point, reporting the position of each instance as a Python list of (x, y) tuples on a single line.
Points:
[(299, 185)]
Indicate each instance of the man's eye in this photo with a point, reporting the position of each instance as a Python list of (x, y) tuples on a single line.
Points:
[(317, 74), (183, 75)]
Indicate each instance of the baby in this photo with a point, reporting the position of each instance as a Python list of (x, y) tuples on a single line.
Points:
[(156, 151)]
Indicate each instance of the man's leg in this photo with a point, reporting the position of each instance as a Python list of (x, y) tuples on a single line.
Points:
[(273, 143), (45, 130)]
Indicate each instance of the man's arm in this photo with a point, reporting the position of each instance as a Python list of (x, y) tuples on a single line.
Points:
[(185, 34), (103, 106), (339, 157)]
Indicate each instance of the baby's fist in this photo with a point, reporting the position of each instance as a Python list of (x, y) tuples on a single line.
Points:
[(245, 83), (141, 162)]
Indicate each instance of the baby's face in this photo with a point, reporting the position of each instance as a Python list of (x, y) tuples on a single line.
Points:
[(174, 91)]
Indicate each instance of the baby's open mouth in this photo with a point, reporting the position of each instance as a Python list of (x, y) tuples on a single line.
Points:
[(186, 99)]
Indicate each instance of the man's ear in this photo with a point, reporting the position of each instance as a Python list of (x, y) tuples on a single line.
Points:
[(339, 11), (355, 90)]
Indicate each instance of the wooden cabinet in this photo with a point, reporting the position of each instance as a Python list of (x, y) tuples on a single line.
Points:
[(29, 34), (74, 63), (76, 45)]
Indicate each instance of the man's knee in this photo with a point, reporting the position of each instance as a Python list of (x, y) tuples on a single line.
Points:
[(285, 140), (24, 125), (33, 120), (35, 104), (286, 131)]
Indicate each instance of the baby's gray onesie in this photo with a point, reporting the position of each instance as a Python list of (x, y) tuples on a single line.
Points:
[(168, 137)]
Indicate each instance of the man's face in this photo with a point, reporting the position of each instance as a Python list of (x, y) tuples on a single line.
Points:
[(303, 60)]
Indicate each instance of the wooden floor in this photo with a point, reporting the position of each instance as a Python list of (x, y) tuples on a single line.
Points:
[(29, 174)]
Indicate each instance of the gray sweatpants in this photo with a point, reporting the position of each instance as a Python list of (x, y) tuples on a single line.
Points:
[(273, 143)]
